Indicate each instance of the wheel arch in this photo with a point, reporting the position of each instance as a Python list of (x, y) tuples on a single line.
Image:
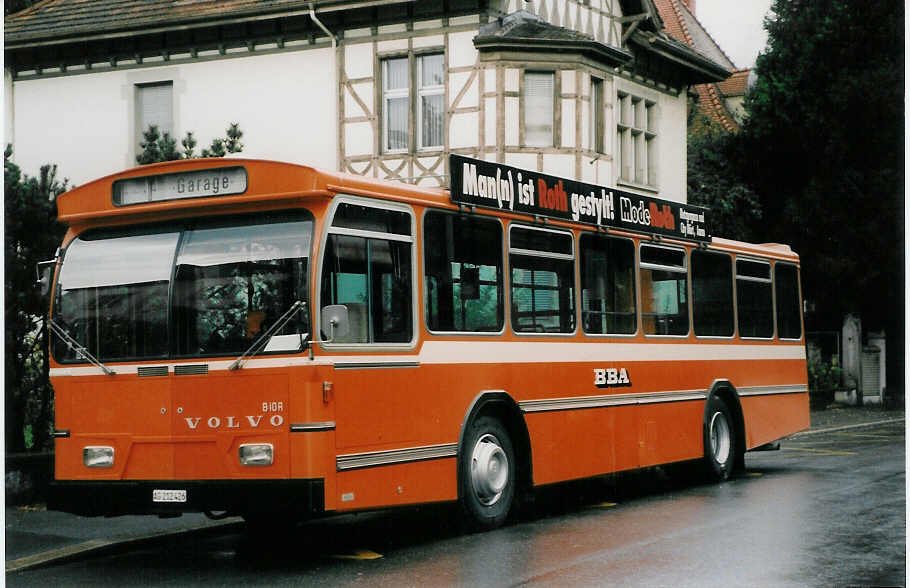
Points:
[(501, 405), (726, 391)]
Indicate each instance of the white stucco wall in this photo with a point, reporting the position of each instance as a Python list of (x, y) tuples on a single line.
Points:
[(284, 102), (672, 147), (8, 115)]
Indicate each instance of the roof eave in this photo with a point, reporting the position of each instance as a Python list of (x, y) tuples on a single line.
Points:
[(699, 68), (604, 53), (25, 40)]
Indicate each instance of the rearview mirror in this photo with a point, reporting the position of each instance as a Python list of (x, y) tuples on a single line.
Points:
[(335, 321), (45, 273)]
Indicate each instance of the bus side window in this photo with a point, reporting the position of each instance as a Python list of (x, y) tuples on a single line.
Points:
[(664, 303), (786, 286), (463, 261), (607, 284), (712, 294), (367, 268), (542, 268), (754, 304)]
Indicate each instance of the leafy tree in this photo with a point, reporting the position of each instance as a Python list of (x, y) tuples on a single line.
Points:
[(715, 180), (31, 235), (824, 136), (158, 147)]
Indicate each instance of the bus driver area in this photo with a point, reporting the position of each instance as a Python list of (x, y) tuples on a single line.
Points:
[(299, 342)]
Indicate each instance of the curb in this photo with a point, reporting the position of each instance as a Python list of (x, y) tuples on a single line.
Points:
[(847, 427), (97, 546)]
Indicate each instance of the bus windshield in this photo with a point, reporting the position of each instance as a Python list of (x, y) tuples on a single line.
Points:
[(182, 290)]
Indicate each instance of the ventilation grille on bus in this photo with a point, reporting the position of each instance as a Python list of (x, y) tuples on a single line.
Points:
[(191, 370), (153, 370)]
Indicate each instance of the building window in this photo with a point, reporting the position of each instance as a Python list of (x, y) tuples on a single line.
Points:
[(154, 106), (431, 95), (396, 102), (539, 108), (597, 115), (636, 139)]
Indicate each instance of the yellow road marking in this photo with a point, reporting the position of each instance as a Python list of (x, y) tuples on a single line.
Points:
[(362, 554), (866, 435), (754, 474), (601, 505), (821, 451)]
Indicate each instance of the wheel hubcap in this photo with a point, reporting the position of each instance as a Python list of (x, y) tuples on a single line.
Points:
[(489, 469), (720, 438)]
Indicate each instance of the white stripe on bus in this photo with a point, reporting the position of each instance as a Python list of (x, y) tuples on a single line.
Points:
[(501, 352)]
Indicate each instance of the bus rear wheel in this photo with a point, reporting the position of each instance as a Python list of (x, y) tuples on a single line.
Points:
[(487, 474), (720, 440)]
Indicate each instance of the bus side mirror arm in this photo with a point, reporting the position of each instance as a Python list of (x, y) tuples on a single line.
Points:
[(44, 271)]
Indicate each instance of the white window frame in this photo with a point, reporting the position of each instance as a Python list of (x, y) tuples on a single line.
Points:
[(677, 269), (541, 254), (141, 94), (737, 277), (598, 121), (424, 91), (416, 302), (392, 94), (414, 93), (636, 139)]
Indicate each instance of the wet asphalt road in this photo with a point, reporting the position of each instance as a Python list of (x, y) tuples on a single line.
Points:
[(826, 510)]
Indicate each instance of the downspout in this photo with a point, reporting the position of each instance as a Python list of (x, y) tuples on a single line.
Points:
[(334, 83)]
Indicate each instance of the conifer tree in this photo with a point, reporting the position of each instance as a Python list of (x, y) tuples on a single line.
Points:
[(158, 147)]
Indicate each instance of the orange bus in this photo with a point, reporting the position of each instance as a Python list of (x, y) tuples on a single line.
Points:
[(273, 341)]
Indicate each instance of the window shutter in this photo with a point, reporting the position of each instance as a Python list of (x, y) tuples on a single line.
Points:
[(538, 114), (155, 106)]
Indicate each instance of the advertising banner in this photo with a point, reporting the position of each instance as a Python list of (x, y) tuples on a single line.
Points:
[(492, 185)]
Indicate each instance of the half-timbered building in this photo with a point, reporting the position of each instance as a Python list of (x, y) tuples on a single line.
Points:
[(594, 90)]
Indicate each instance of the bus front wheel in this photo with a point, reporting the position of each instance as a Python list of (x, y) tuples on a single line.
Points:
[(487, 476), (720, 440)]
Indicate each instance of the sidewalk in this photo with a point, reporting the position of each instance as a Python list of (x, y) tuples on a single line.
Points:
[(36, 536), (838, 416)]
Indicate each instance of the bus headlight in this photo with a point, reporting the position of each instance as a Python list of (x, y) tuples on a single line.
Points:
[(98, 456), (256, 454)]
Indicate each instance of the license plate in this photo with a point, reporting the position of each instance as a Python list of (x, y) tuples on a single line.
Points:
[(168, 495)]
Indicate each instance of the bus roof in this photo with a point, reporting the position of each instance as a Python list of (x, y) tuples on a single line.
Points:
[(264, 181)]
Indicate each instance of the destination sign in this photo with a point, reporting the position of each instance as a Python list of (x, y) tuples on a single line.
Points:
[(492, 185), (219, 181)]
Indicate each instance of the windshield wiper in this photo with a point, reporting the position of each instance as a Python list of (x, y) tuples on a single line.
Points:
[(260, 343), (80, 349)]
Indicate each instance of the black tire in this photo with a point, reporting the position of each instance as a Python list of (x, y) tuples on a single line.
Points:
[(486, 474), (721, 449)]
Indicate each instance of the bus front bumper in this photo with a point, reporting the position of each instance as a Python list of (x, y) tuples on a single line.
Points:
[(168, 497)]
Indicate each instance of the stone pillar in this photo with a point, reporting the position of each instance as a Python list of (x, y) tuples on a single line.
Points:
[(852, 360)]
